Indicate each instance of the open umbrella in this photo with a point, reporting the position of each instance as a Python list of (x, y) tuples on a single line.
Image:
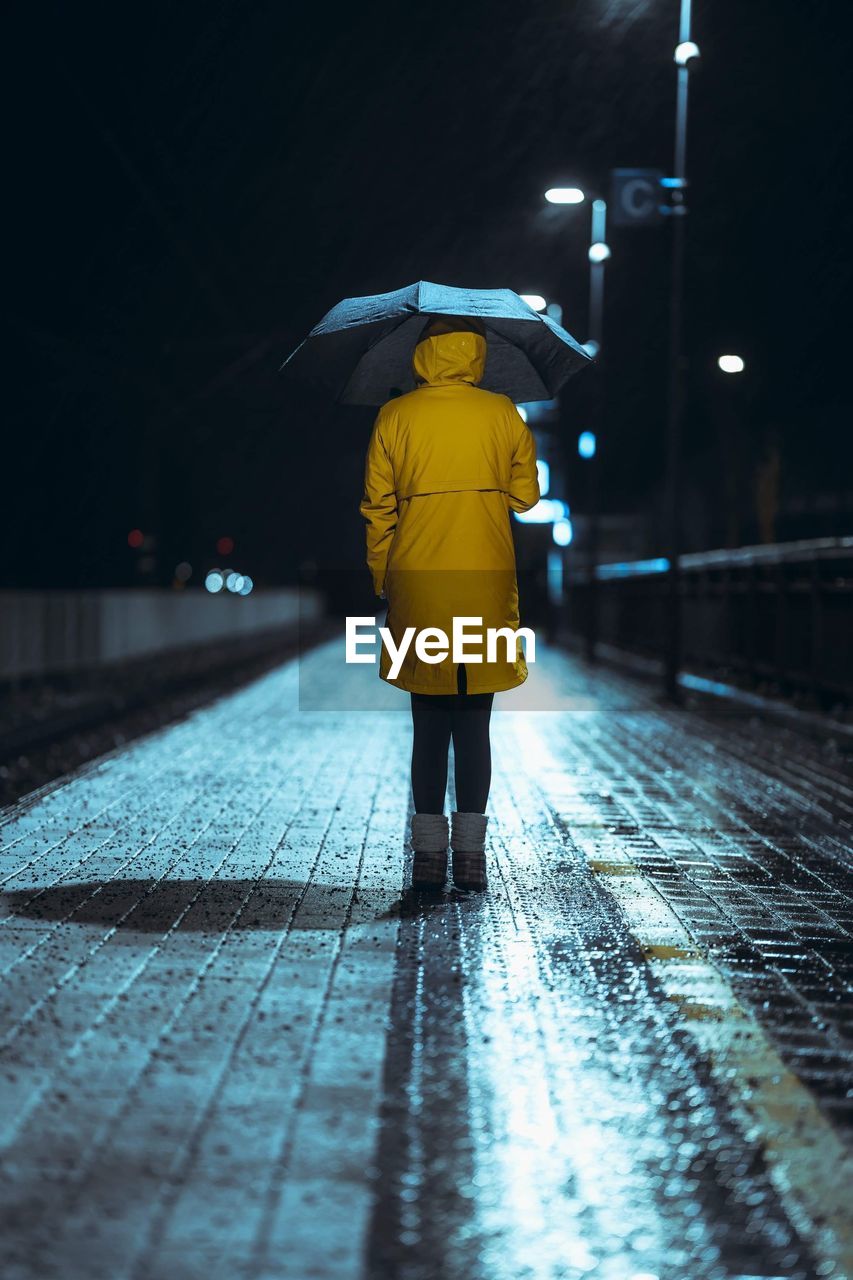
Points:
[(361, 351)]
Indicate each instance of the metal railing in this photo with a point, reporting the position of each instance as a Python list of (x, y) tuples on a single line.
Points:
[(778, 617)]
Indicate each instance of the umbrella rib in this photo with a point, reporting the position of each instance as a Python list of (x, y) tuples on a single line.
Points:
[(380, 338)]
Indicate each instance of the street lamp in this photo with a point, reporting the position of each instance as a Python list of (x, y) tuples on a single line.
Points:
[(685, 55), (598, 255), (564, 195), (686, 52), (731, 364)]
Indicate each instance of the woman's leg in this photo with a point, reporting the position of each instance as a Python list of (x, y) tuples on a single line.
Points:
[(472, 750), (431, 722)]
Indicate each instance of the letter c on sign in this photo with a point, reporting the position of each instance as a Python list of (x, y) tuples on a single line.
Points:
[(638, 198)]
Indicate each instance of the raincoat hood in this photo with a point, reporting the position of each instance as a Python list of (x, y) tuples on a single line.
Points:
[(451, 350)]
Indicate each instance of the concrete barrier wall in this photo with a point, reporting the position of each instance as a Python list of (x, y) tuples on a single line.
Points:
[(45, 632)]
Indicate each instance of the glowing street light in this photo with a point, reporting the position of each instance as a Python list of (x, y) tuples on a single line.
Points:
[(687, 51), (685, 57), (598, 254), (534, 300), (564, 195), (731, 364)]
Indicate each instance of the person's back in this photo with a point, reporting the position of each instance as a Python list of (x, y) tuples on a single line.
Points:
[(445, 465), (447, 437)]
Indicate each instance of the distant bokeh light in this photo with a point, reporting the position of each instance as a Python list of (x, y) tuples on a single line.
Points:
[(534, 300), (247, 586), (183, 571), (586, 444), (546, 511), (234, 582), (543, 472), (225, 546), (214, 581), (562, 532), (135, 538)]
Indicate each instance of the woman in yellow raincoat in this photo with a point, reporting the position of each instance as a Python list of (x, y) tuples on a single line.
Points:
[(445, 465)]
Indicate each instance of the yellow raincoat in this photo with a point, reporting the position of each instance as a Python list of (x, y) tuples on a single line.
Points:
[(445, 465)]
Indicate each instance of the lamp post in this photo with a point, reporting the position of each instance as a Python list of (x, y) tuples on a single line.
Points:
[(598, 255), (599, 252), (685, 53), (727, 411)]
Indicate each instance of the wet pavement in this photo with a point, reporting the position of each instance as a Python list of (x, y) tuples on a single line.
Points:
[(233, 1045)]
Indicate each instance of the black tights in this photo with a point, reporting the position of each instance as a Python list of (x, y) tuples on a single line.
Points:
[(436, 718)]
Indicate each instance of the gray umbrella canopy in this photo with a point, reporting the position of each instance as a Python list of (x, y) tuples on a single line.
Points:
[(361, 351)]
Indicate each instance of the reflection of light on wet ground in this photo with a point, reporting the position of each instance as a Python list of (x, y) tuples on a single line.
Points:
[(602, 1143), (560, 1188), (546, 688), (274, 1057)]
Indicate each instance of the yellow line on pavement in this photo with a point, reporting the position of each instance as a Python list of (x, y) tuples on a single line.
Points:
[(811, 1170), (614, 868)]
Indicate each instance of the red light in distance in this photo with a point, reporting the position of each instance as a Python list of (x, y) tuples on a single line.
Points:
[(135, 538), (225, 546)]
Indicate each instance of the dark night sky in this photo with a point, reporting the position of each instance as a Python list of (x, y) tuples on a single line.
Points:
[(193, 185)]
